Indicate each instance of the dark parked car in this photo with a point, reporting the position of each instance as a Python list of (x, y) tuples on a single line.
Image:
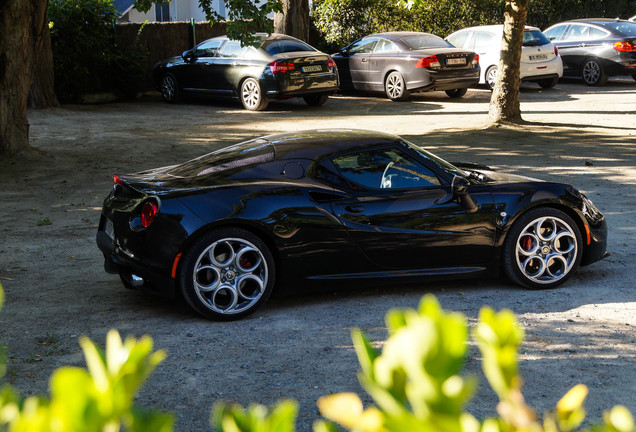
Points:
[(281, 67), (318, 207), (595, 49), (400, 63)]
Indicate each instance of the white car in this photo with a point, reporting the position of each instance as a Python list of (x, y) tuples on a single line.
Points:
[(540, 59)]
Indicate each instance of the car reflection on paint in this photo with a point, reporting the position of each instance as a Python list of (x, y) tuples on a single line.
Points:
[(298, 212)]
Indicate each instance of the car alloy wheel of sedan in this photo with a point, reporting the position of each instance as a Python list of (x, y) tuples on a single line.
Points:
[(227, 274), (252, 96), (542, 249), (169, 88), (593, 73), (396, 87)]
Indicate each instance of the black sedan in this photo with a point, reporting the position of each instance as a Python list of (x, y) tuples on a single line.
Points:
[(301, 211), (280, 68), (400, 63), (595, 49)]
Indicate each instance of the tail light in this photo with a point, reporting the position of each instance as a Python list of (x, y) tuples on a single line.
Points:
[(331, 65), (428, 62), (623, 46), (117, 180), (148, 213), (281, 67), (475, 59), (556, 51)]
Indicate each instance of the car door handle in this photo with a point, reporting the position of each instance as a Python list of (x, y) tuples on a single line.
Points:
[(364, 60), (354, 208)]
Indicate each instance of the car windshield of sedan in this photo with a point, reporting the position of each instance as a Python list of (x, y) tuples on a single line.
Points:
[(534, 38), (229, 158), (425, 41)]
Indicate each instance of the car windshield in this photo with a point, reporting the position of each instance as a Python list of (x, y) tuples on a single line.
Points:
[(424, 41), (230, 158), (446, 166), (621, 28), (534, 38)]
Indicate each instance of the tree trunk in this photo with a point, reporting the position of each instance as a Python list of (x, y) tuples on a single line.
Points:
[(19, 25), (504, 103), (294, 20), (42, 93)]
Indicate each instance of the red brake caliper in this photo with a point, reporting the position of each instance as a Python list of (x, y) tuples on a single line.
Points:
[(526, 243)]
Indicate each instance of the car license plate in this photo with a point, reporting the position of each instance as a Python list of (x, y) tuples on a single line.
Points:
[(313, 68), (538, 57), (456, 61), (108, 229)]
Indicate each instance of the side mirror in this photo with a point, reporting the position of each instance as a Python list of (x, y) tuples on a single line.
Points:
[(344, 52), (188, 55), (459, 190)]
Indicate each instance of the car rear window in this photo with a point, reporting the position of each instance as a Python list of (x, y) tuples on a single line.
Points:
[(230, 158), (621, 28), (283, 46), (534, 38), (425, 41)]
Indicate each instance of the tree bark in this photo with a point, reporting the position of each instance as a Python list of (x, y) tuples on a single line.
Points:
[(294, 20), (20, 23), (504, 103), (42, 93)]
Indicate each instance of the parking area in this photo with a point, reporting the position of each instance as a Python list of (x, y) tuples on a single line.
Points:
[(300, 347)]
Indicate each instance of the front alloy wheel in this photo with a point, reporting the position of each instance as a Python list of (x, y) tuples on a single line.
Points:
[(395, 87), (169, 88), (227, 274), (543, 249)]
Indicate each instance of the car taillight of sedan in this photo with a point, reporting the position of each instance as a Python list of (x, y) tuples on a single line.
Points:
[(331, 64), (279, 67), (624, 46), (430, 62)]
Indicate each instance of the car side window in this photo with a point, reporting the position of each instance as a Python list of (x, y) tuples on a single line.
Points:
[(458, 39), (555, 33), (577, 32), (363, 46), (385, 169), (232, 49), (484, 40), (596, 33), (385, 45), (208, 49)]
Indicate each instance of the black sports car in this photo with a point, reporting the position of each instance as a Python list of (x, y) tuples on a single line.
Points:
[(280, 68), (295, 212), (399, 63), (595, 49)]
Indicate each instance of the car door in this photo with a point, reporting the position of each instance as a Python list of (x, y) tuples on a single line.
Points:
[(356, 59), (574, 47), (380, 60), (201, 65), (403, 216)]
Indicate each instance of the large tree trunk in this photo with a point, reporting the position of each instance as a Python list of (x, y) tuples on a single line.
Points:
[(504, 103), (42, 93), (294, 20), (18, 29)]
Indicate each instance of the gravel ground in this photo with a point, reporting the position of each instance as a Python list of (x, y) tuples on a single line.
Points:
[(300, 347)]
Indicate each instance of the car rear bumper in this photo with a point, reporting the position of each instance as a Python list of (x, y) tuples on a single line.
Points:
[(446, 81), (300, 85), (531, 71)]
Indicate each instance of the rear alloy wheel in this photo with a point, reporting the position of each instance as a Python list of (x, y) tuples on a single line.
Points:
[(169, 88), (395, 87), (456, 93), (315, 100), (542, 249), (227, 274), (252, 95), (491, 77), (548, 83), (593, 73)]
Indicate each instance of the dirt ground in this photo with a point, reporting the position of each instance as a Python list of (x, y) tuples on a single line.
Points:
[(56, 288)]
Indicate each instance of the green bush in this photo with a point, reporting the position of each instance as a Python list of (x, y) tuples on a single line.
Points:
[(86, 58)]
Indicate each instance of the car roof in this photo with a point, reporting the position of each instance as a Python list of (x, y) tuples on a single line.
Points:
[(496, 27), (263, 36), (399, 34), (599, 21), (321, 143)]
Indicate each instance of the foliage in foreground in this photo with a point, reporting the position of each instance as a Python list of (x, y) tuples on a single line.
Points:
[(98, 399), (416, 383)]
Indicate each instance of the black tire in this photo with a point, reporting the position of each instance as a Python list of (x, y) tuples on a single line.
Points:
[(634, 76), (316, 100), (227, 274), (395, 87), (548, 83), (593, 73), (542, 249), (252, 96), (491, 77), (169, 88), (456, 93)]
